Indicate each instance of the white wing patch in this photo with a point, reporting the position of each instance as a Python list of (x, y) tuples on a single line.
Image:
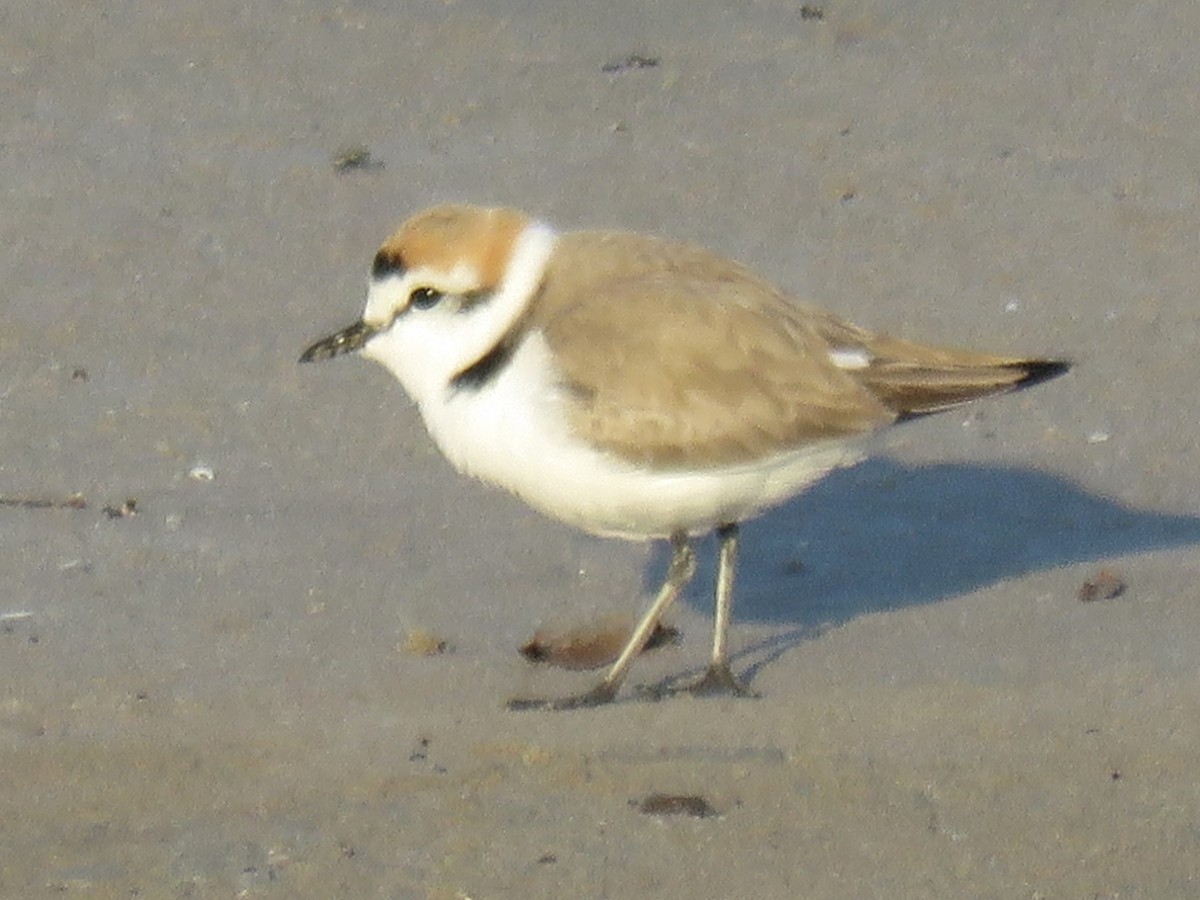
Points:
[(850, 358)]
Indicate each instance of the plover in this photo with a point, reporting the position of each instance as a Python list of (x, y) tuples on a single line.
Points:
[(638, 387)]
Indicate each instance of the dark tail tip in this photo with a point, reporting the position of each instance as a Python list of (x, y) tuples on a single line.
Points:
[(1038, 370)]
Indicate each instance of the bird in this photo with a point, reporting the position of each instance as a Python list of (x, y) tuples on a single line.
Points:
[(638, 387)]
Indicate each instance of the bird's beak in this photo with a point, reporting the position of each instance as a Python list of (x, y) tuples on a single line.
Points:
[(349, 339)]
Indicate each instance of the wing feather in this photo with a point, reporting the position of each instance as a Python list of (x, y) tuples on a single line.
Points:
[(672, 356), (698, 365)]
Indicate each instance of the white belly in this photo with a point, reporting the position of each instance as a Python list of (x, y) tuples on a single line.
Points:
[(512, 433)]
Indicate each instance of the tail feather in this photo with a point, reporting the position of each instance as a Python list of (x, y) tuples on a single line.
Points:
[(916, 390), (915, 379)]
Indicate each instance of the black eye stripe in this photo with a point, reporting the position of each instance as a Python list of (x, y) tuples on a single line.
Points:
[(387, 263)]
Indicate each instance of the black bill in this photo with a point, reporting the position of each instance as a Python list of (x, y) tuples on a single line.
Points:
[(347, 340)]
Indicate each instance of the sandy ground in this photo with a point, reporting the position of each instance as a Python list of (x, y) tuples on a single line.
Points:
[(211, 697)]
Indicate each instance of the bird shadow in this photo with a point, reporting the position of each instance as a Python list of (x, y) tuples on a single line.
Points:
[(884, 535)]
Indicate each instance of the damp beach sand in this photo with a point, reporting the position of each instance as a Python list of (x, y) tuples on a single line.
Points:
[(256, 636)]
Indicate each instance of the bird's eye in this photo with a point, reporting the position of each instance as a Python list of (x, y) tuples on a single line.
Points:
[(424, 298)]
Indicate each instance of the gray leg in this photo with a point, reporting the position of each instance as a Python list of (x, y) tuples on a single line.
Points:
[(719, 678), (679, 573), (726, 572)]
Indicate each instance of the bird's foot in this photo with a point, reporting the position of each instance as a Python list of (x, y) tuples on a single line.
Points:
[(719, 680), (597, 696)]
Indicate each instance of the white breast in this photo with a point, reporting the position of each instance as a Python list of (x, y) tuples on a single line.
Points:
[(512, 433)]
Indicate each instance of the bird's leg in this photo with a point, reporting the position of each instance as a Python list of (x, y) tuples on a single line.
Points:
[(679, 573), (719, 678)]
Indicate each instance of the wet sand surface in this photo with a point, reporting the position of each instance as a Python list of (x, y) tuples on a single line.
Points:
[(214, 690)]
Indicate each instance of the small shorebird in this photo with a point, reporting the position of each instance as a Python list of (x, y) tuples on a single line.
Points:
[(636, 387)]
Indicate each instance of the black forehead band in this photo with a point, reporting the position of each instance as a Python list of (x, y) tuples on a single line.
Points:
[(387, 262)]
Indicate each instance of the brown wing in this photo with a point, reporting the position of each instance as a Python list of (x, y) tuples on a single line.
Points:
[(673, 354), (668, 368)]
